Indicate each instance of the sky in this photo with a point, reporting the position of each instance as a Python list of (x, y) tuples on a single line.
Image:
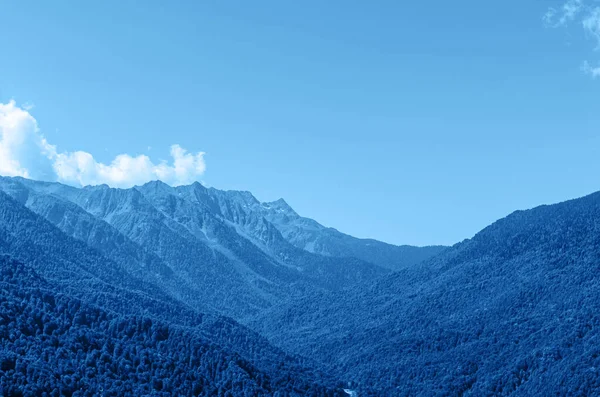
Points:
[(409, 122)]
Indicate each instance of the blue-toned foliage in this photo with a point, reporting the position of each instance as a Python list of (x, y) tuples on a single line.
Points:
[(55, 345), (513, 311), (68, 271), (124, 291)]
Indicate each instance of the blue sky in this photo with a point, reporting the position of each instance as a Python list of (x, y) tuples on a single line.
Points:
[(410, 122)]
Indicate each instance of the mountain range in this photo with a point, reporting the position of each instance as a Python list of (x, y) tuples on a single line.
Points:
[(43, 266), (195, 261), (514, 311), (159, 290), (200, 244)]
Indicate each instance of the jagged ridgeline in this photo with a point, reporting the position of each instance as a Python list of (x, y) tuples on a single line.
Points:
[(215, 250), (144, 291), (74, 322), (123, 291)]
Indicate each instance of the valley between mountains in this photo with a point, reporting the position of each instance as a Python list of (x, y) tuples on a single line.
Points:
[(160, 290)]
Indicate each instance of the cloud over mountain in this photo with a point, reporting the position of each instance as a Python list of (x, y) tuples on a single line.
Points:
[(25, 151)]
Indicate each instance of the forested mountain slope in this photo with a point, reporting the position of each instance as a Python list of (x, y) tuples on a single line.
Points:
[(55, 344), (513, 311), (66, 267)]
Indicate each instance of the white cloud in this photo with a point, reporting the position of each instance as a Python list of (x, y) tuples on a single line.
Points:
[(25, 152), (591, 25), (587, 16), (593, 71), (23, 149), (567, 13), (549, 16)]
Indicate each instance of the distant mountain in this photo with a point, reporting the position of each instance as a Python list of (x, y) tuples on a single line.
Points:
[(143, 291), (72, 319), (513, 311), (307, 234), (198, 244)]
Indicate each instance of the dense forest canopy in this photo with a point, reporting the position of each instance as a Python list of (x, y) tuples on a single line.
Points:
[(192, 291)]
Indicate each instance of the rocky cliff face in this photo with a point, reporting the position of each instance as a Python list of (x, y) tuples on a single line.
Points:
[(216, 250)]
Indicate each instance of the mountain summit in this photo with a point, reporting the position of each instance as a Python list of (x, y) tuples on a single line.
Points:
[(199, 244)]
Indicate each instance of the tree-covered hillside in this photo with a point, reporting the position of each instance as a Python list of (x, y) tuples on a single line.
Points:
[(513, 311), (55, 345), (47, 261)]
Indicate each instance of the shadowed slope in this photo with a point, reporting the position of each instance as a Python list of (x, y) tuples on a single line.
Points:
[(514, 311)]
